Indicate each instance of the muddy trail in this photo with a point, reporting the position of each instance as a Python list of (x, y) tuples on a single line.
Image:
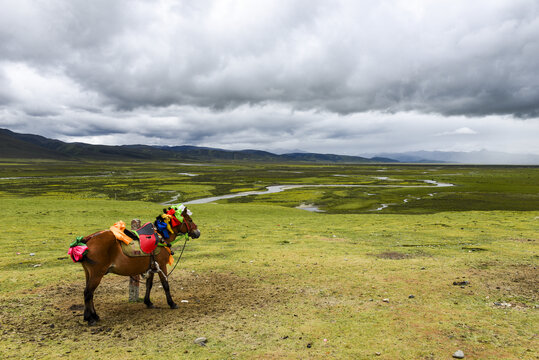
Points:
[(54, 314)]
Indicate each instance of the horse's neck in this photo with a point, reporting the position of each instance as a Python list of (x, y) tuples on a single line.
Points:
[(172, 237)]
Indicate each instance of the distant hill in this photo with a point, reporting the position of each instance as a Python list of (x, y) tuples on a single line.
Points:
[(310, 157), (27, 146), (13, 145), (472, 157)]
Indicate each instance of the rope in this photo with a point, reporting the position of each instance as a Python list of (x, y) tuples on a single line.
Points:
[(158, 269), (179, 258)]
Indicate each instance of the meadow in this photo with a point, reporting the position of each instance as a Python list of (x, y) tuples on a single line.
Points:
[(437, 270)]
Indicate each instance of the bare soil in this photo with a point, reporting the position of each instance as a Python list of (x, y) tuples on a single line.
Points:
[(517, 284), (394, 255), (55, 313)]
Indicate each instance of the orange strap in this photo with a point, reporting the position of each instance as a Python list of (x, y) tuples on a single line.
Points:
[(170, 258), (118, 231)]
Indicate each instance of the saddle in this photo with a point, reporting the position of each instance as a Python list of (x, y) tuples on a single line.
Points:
[(142, 242), (133, 249), (148, 237)]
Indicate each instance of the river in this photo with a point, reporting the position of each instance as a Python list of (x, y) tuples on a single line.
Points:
[(278, 188)]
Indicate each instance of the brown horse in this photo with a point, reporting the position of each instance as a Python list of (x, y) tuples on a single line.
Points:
[(105, 256)]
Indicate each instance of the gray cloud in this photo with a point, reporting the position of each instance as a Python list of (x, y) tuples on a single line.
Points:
[(444, 57), (216, 72)]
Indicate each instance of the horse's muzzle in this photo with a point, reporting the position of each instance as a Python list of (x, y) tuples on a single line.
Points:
[(195, 234)]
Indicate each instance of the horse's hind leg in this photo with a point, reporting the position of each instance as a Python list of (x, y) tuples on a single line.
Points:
[(149, 284), (92, 282), (166, 287)]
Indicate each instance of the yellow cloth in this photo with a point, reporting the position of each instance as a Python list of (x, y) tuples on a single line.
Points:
[(167, 219), (118, 231)]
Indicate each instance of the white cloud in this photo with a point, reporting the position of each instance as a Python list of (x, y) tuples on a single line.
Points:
[(459, 131)]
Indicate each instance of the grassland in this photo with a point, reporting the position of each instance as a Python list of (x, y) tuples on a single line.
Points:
[(268, 281)]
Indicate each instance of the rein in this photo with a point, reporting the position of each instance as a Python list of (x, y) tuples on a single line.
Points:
[(186, 235), (179, 258), (184, 244)]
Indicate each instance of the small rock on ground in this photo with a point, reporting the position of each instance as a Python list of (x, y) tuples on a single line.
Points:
[(503, 304), (201, 341), (458, 354)]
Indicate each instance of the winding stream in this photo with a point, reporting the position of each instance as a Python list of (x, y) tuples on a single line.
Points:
[(279, 188)]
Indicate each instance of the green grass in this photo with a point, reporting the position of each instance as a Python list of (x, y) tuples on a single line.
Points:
[(267, 281)]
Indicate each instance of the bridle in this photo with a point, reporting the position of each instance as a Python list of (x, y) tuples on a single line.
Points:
[(187, 225)]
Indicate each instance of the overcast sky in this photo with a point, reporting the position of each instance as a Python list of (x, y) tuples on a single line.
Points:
[(346, 77)]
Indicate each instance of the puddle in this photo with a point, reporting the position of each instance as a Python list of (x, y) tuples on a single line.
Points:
[(191, 164), (309, 207), (382, 207), (434, 182)]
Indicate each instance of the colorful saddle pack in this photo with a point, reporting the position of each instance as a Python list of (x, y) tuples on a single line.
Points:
[(147, 236), (145, 241), (150, 238), (133, 249)]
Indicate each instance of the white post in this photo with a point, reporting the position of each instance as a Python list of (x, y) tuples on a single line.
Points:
[(134, 280)]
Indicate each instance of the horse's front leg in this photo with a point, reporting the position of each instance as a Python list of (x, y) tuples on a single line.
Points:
[(166, 287), (149, 284)]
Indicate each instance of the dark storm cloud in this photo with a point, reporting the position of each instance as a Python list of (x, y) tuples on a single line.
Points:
[(331, 76), (444, 57)]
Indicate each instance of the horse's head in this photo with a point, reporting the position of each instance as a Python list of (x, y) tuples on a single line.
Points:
[(188, 226)]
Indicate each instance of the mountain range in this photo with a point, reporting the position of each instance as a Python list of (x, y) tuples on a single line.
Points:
[(484, 157), (27, 146), (15, 145)]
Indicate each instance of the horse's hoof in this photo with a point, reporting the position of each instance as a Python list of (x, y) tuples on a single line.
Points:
[(92, 322), (173, 306), (150, 306)]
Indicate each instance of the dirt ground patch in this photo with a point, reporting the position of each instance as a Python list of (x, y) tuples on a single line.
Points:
[(55, 313), (394, 255), (524, 240), (518, 284)]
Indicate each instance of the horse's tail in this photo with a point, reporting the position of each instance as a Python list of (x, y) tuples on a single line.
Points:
[(78, 250)]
